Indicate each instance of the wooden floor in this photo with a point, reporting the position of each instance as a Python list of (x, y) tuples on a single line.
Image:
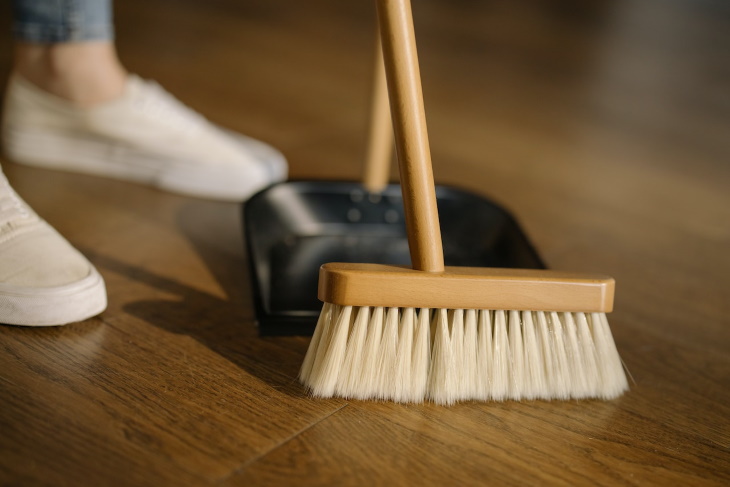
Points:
[(603, 125)]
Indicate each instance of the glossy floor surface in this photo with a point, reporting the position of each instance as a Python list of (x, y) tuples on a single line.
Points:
[(602, 125)]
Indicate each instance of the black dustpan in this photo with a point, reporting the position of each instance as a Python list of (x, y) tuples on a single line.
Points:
[(292, 228)]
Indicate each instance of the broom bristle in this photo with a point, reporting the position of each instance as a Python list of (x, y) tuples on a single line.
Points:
[(389, 354), (421, 360)]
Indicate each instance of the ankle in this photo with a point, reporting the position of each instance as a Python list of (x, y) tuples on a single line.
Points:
[(84, 73)]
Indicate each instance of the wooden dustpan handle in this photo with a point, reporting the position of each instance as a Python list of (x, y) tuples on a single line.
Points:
[(380, 138), (411, 138)]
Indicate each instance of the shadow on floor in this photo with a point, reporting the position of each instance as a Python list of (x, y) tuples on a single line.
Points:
[(224, 325)]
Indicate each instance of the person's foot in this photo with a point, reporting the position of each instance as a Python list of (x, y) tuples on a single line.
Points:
[(145, 136), (44, 281)]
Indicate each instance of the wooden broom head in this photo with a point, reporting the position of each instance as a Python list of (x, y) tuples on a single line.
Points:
[(465, 288)]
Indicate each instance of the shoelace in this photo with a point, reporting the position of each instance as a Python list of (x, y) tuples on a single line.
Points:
[(157, 103)]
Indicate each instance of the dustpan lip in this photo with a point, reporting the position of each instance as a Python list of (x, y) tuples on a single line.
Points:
[(393, 187)]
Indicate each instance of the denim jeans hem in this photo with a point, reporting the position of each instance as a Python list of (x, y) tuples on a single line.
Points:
[(49, 34), (52, 21)]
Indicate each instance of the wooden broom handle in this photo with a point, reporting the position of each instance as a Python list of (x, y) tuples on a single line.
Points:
[(411, 137), (380, 138)]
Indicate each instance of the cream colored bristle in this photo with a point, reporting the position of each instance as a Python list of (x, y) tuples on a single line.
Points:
[(441, 378), (449, 356), (470, 362), (613, 378), (501, 360), (579, 381), (484, 355), (385, 381), (369, 366), (403, 379), (324, 375), (323, 344), (535, 385), (517, 354), (421, 360), (588, 355), (561, 379), (546, 343), (311, 356), (456, 320), (349, 380)]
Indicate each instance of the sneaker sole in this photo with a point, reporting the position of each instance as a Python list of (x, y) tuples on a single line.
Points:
[(53, 306), (77, 153)]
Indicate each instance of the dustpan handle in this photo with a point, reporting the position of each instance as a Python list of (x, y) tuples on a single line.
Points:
[(380, 137), (411, 138)]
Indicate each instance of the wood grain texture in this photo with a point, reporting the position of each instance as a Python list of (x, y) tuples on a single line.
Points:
[(601, 125), (465, 288), (402, 72)]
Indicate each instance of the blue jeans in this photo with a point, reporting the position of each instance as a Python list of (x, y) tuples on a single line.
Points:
[(51, 21)]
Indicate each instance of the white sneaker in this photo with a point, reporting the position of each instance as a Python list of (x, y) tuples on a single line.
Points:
[(44, 281), (145, 136)]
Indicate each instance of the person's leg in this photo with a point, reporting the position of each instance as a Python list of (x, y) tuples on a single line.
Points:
[(66, 48), (72, 106), (44, 280), (85, 73)]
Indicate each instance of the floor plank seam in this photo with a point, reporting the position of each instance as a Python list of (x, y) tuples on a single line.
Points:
[(280, 444)]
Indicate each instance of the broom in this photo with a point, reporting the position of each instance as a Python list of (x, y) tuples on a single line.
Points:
[(449, 334)]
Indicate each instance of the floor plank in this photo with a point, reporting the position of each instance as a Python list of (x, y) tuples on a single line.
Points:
[(601, 125)]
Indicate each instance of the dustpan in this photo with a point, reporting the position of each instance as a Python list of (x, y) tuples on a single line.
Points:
[(294, 227)]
